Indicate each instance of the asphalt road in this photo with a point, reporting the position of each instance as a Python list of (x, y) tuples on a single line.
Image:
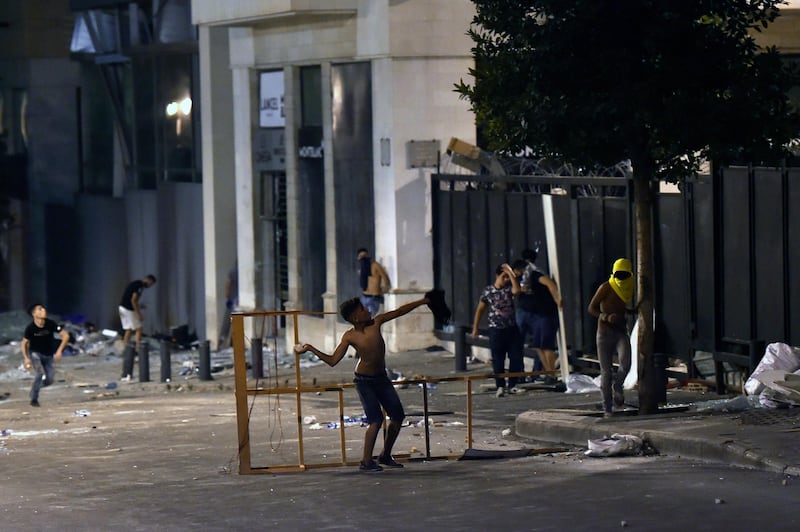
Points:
[(168, 463), (153, 456)]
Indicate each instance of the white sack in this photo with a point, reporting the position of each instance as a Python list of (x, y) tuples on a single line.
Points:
[(579, 383), (616, 445), (777, 356)]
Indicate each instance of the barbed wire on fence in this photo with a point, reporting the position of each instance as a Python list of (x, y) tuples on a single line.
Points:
[(485, 174)]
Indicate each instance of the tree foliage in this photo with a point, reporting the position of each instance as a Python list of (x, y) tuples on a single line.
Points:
[(665, 85), (599, 81)]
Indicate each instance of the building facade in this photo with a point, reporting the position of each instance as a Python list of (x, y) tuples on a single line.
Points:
[(313, 129), (322, 123)]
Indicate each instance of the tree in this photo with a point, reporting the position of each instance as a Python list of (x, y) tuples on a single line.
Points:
[(666, 85)]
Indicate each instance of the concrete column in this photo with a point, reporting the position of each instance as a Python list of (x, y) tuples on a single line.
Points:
[(330, 297), (323, 332), (386, 246), (396, 247), (219, 222), (291, 79), (242, 61)]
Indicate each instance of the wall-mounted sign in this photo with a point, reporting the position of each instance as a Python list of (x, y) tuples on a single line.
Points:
[(422, 153), (270, 103), (309, 142)]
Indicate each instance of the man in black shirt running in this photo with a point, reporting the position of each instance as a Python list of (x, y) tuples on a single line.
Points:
[(39, 348)]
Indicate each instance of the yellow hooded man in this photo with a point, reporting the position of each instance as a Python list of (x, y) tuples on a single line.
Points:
[(610, 306), (621, 279)]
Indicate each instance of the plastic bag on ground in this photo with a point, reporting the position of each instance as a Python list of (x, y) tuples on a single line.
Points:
[(615, 445), (777, 356), (579, 383)]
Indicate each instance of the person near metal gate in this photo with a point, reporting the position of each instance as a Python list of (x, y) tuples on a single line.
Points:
[(374, 282), (610, 306), (537, 302), (504, 338)]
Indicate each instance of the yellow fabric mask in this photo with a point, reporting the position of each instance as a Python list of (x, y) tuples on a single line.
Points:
[(622, 287)]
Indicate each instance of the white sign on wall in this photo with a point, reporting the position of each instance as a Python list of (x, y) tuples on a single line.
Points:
[(270, 104)]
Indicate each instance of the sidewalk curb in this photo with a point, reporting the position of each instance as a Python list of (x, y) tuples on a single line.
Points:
[(576, 429)]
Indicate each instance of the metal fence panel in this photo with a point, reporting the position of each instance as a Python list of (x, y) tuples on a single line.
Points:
[(768, 275), (461, 261), (727, 251), (673, 319), (479, 227), (735, 264), (702, 264), (516, 211), (793, 255), (499, 226)]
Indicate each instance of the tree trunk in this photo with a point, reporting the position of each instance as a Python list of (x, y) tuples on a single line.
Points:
[(643, 210)]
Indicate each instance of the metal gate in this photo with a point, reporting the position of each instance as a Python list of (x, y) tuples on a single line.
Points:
[(726, 250), (483, 221)]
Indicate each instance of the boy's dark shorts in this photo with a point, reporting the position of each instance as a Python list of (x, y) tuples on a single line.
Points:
[(542, 328), (376, 392)]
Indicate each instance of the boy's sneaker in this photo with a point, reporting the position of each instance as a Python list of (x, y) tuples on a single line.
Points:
[(500, 392), (35, 403), (126, 378), (388, 461), (370, 466)]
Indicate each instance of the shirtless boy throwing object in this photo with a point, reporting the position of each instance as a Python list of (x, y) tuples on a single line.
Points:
[(372, 383)]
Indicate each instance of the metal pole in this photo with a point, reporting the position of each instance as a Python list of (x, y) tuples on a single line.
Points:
[(427, 423), (240, 391), (127, 361), (297, 386), (341, 427), (660, 369), (144, 363), (205, 361), (166, 362), (257, 358), (469, 413), (461, 347)]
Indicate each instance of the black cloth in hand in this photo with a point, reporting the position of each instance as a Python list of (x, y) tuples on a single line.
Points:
[(441, 312)]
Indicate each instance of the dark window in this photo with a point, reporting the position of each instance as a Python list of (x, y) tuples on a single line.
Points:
[(311, 95), (166, 120)]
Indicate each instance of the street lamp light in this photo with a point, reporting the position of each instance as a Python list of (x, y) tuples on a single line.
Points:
[(177, 110)]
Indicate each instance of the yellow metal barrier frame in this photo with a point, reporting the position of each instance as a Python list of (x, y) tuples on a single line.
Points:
[(242, 392)]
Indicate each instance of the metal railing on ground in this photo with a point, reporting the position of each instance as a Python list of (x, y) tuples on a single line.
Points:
[(244, 393)]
